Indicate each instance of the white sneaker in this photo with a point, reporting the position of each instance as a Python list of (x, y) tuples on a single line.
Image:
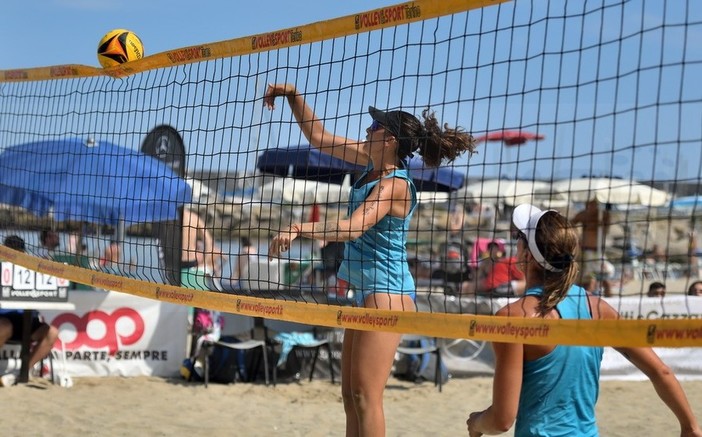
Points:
[(8, 380)]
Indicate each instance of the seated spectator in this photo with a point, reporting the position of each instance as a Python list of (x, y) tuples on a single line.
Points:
[(112, 255), (75, 240), (43, 335), (198, 262), (499, 275), (247, 255), (656, 254), (656, 289), (695, 289), (49, 243), (454, 271)]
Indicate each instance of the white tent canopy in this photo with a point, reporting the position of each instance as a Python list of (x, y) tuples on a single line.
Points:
[(432, 197), (509, 192), (605, 190), (289, 191)]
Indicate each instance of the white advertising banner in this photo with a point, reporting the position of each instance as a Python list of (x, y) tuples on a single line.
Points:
[(467, 358), (685, 362), (115, 334)]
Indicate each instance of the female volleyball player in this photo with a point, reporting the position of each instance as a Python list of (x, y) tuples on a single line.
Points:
[(552, 390), (375, 262)]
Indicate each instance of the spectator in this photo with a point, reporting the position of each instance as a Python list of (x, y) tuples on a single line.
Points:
[(499, 275), (112, 255), (593, 260), (246, 256), (454, 271), (43, 335), (657, 254), (456, 222), (695, 289), (692, 254), (49, 243), (656, 289), (15, 242), (200, 271), (75, 241), (201, 258)]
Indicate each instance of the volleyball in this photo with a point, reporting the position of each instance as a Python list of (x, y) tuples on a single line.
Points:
[(119, 46)]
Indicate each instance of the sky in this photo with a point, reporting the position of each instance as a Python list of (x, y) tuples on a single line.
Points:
[(56, 32), (615, 92)]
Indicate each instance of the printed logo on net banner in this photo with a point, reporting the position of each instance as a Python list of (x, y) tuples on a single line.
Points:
[(392, 14), (99, 330), (655, 333)]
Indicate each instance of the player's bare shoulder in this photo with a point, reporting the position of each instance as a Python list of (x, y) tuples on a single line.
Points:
[(523, 307)]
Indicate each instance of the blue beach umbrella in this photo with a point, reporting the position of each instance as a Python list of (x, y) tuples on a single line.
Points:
[(306, 162), (444, 178), (96, 182), (688, 202)]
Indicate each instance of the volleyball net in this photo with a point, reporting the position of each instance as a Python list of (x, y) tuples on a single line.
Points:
[(569, 103)]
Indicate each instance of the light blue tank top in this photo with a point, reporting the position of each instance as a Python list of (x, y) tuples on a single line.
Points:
[(376, 262), (559, 390)]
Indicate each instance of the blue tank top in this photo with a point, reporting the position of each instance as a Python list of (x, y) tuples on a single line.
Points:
[(377, 260), (559, 390)]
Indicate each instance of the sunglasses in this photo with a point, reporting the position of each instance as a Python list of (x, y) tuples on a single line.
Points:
[(375, 126)]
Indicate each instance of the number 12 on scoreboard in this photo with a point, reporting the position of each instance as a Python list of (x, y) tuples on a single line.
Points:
[(22, 278)]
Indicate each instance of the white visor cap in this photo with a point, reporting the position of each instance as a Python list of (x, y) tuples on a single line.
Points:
[(526, 218)]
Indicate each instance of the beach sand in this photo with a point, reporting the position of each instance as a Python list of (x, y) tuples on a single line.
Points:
[(149, 406)]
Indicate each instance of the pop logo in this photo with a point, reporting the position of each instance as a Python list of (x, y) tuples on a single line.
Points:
[(98, 329)]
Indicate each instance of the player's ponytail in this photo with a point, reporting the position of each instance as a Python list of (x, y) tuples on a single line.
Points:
[(558, 243), (432, 142)]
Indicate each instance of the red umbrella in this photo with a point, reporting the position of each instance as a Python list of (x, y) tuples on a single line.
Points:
[(511, 137)]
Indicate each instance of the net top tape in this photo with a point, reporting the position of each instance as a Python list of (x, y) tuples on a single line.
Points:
[(375, 19)]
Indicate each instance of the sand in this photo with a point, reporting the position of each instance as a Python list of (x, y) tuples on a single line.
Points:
[(149, 406)]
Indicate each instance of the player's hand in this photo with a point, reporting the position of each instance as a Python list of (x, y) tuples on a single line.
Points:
[(472, 424), (275, 90), (281, 242)]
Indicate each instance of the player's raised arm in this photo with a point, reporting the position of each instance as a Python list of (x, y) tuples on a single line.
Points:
[(312, 127)]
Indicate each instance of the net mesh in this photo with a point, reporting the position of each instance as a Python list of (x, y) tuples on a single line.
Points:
[(568, 102)]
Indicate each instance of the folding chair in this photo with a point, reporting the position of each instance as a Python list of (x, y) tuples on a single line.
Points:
[(280, 326), (431, 348), (236, 325)]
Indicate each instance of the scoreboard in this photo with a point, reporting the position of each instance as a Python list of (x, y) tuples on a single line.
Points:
[(21, 283)]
